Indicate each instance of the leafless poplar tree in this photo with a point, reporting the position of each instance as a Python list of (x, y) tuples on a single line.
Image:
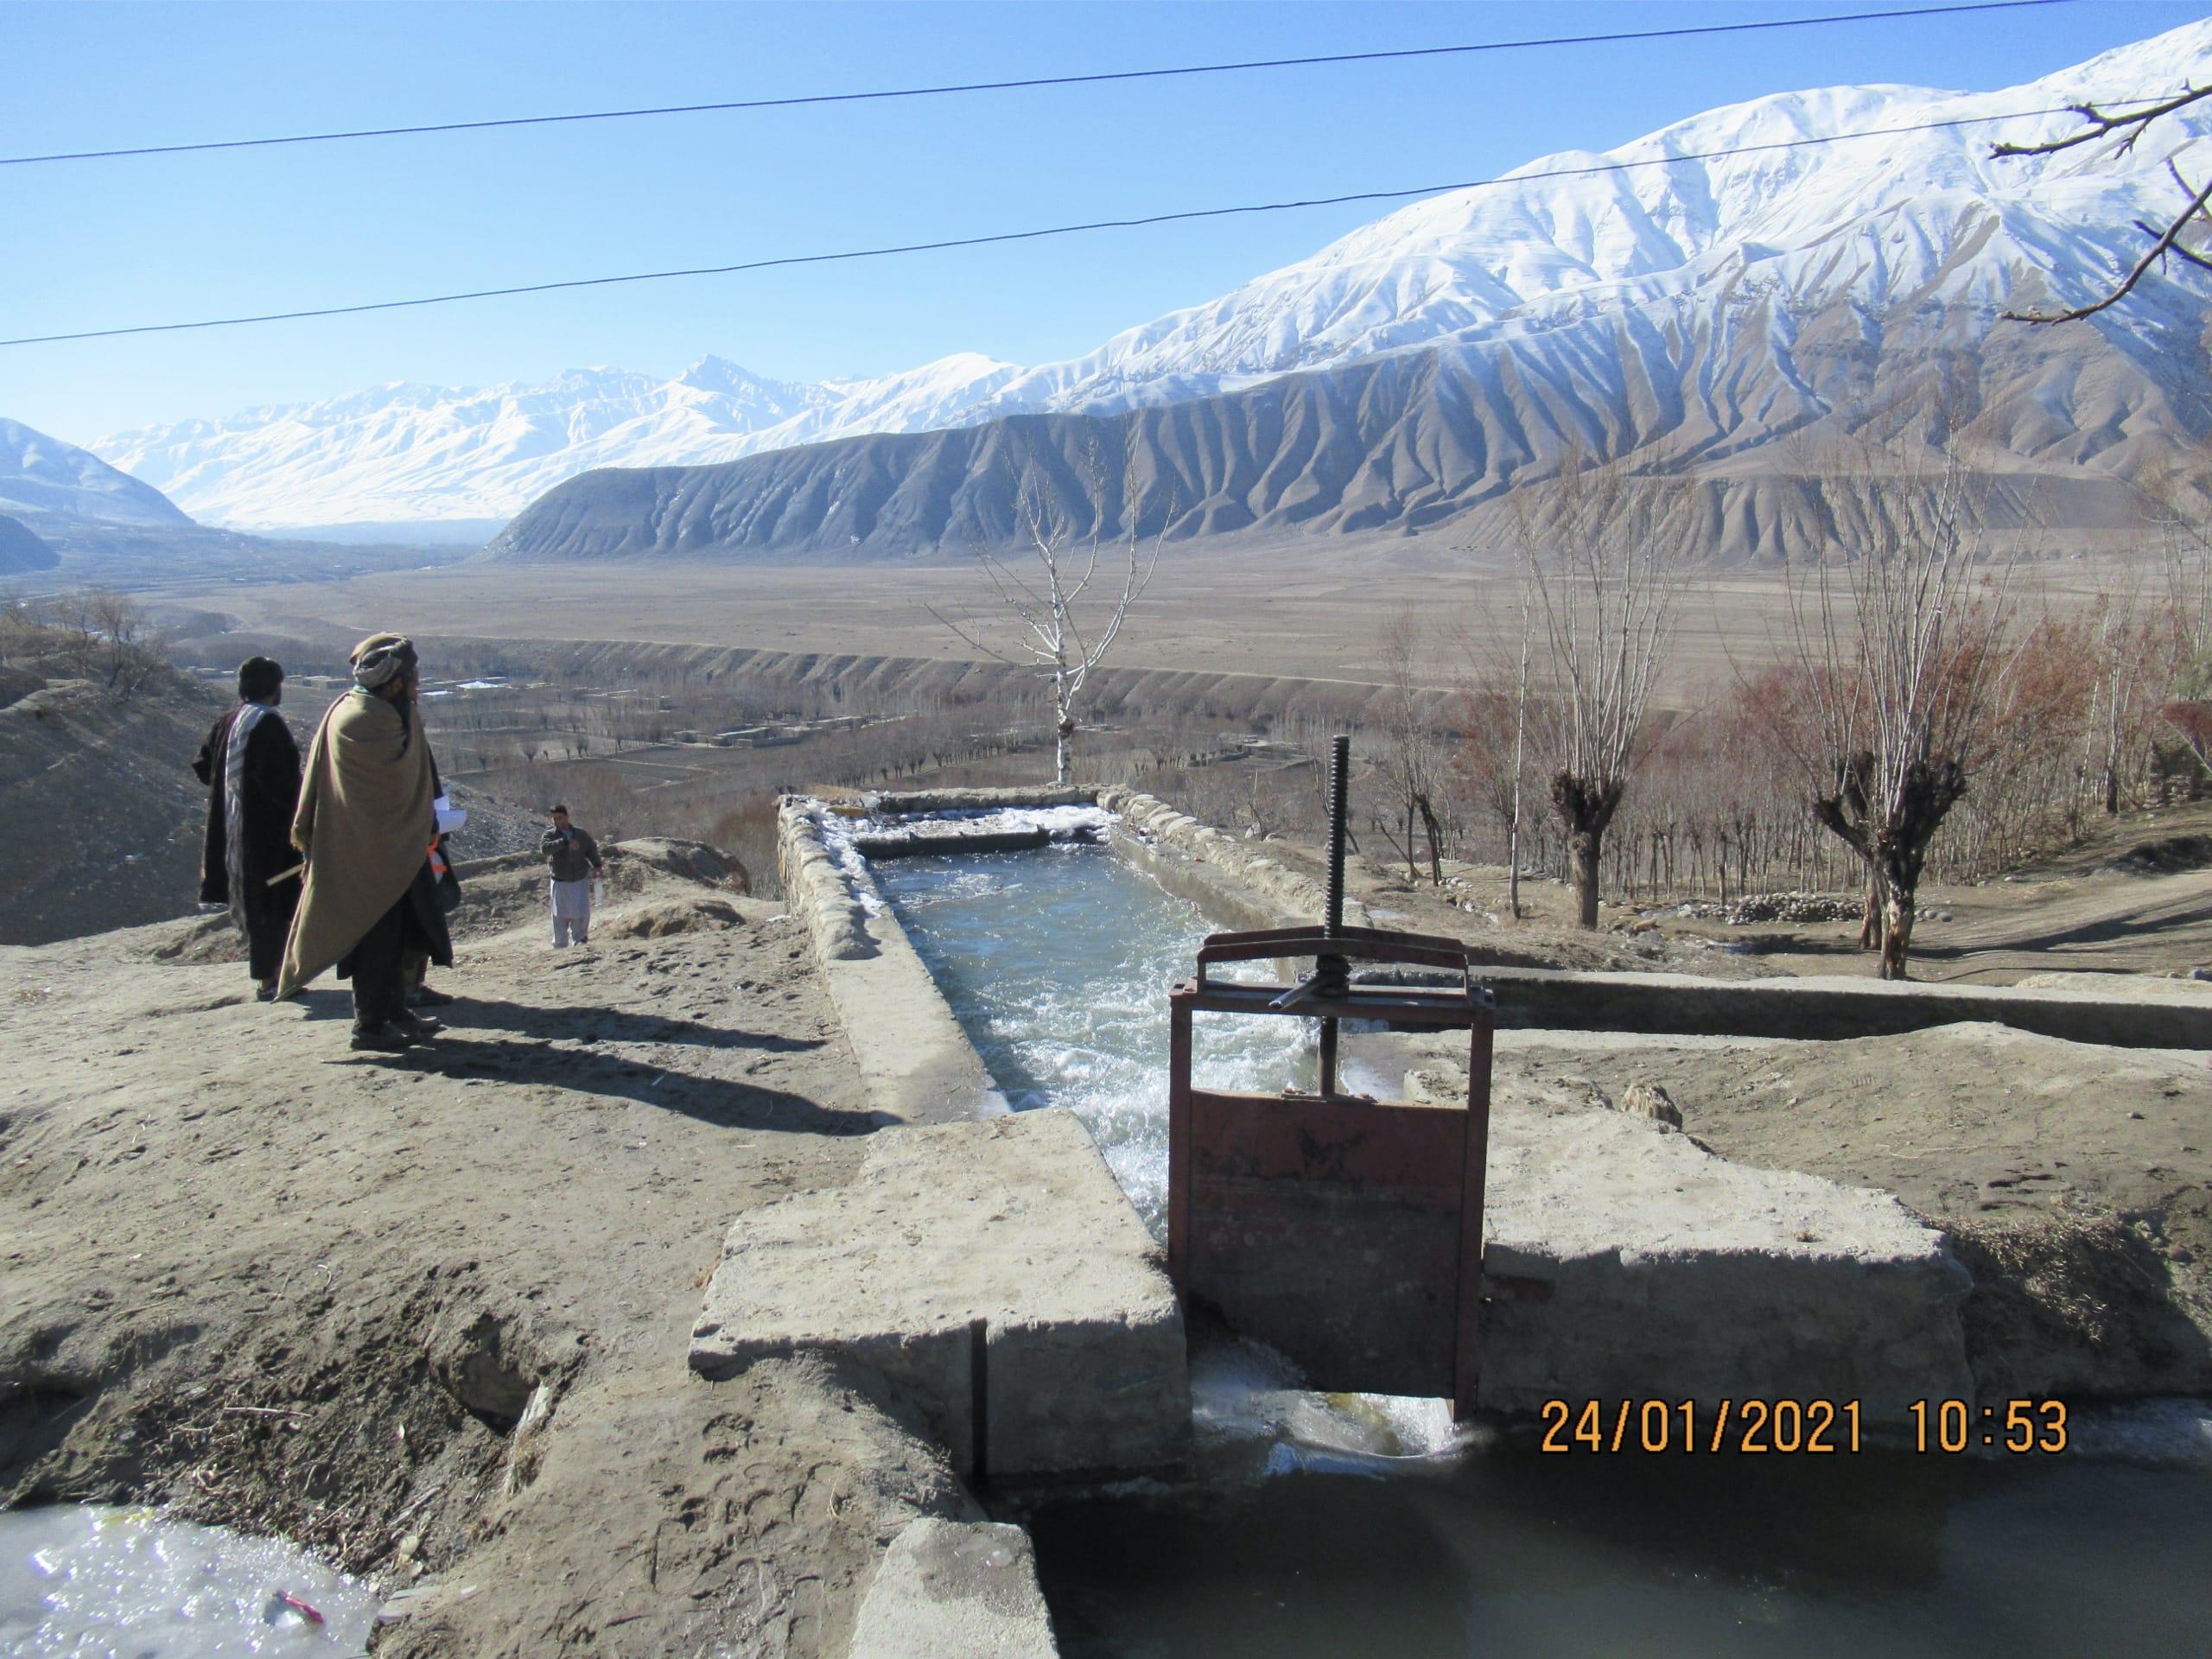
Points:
[(1600, 574), (1898, 652), (1413, 761), (2119, 635), (1051, 616), (2127, 128), (2189, 586), (2174, 499)]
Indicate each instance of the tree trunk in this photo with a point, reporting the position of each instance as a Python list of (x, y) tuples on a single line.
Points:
[(1513, 867), (1428, 828), (1586, 806), (1586, 846), (1897, 904), (1873, 920), (1061, 732)]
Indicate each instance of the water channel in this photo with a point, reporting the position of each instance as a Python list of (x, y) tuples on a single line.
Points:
[(1329, 1529)]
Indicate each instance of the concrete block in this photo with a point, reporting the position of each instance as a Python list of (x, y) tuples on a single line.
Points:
[(955, 1590), (1668, 1272), (1015, 1222)]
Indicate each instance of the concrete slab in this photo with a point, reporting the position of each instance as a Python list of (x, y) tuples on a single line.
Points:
[(955, 1590), (1669, 1273), (1015, 1222)]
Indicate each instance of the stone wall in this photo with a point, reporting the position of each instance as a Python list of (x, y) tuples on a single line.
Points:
[(1235, 881)]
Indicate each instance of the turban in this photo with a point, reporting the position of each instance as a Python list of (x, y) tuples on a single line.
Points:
[(381, 657)]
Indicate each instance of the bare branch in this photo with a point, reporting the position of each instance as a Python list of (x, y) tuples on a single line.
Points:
[(2130, 125), (2102, 125)]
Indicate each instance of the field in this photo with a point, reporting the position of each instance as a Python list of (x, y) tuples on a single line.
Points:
[(1299, 610)]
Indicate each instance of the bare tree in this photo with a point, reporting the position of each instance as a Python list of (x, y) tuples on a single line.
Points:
[(1413, 761), (1896, 653), (1520, 753), (1601, 572), (94, 633), (2127, 128), (2124, 650), (1046, 616), (2174, 499)]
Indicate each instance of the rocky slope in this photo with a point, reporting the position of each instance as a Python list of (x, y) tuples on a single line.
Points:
[(22, 548), (109, 816)]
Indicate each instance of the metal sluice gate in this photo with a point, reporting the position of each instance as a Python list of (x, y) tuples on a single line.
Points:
[(1342, 1231)]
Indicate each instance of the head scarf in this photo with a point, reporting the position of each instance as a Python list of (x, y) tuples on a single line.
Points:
[(378, 661), (381, 657)]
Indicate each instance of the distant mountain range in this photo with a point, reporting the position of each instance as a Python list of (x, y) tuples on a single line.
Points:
[(1747, 289), (400, 452)]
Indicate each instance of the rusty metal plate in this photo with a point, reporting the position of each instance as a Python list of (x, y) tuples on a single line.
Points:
[(1332, 1230)]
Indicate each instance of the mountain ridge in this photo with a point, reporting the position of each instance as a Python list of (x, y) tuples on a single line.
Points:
[(1589, 282)]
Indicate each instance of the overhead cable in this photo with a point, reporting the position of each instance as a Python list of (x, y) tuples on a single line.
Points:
[(1683, 32), (947, 242)]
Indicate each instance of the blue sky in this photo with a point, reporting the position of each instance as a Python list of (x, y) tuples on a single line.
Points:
[(100, 244)]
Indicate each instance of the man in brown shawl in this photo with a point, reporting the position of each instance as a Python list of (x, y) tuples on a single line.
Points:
[(365, 824), (251, 768)]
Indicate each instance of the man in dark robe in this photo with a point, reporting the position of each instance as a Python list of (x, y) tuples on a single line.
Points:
[(251, 768)]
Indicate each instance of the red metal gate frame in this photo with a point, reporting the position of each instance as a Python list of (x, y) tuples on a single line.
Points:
[(1401, 1006)]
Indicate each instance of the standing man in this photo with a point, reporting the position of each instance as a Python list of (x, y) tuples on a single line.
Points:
[(251, 768), (365, 824), (574, 858)]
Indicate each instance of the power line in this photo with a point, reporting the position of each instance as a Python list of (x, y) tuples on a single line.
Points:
[(1103, 77), (1028, 236)]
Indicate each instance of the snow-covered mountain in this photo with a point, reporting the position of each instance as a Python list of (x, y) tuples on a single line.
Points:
[(1781, 227), (1687, 300), (40, 475), (409, 452)]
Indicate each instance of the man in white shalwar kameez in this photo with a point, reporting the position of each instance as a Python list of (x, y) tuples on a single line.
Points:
[(573, 858)]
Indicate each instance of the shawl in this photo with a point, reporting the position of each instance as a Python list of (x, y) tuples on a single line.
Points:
[(365, 824), (243, 722)]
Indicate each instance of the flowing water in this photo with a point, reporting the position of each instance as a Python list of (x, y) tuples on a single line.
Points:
[(1057, 964), (1340, 1528), (87, 1579)]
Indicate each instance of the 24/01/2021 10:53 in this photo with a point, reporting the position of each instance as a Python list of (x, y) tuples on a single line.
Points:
[(1807, 1427)]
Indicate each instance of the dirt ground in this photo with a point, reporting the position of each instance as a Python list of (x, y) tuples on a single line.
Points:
[(428, 1314), (2135, 897)]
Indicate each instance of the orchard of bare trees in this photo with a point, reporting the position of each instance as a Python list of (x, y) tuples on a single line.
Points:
[(1923, 711)]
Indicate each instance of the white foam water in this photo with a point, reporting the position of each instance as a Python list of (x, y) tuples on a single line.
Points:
[(89, 1579), (1057, 964)]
